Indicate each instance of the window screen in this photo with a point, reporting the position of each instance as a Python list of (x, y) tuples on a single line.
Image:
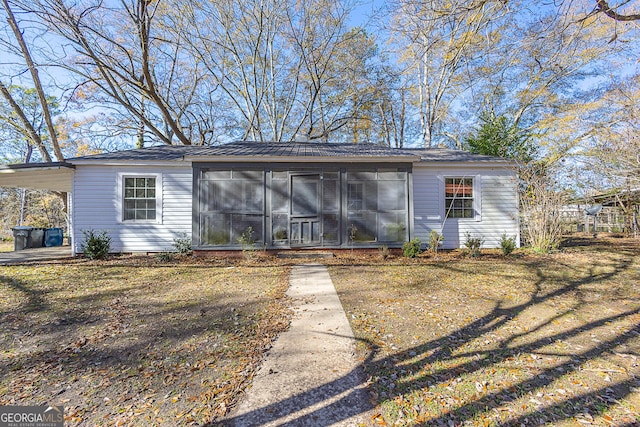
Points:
[(376, 206), (231, 204)]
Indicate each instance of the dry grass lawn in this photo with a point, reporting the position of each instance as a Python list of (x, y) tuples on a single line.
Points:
[(6, 245), (524, 340), (447, 340), (133, 342)]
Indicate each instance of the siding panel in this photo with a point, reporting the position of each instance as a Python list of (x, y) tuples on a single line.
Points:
[(97, 207), (496, 200)]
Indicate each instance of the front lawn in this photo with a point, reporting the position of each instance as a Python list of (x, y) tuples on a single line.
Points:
[(525, 340), (446, 340), (131, 341)]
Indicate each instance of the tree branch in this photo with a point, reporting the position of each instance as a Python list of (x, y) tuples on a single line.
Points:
[(603, 6)]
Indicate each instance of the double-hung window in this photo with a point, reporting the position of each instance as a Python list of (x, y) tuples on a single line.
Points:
[(459, 198), (139, 198)]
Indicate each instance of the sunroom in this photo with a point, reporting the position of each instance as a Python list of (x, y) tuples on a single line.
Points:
[(286, 205)]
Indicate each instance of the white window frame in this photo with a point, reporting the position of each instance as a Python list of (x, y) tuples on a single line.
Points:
[(477, 195), (120, 203)]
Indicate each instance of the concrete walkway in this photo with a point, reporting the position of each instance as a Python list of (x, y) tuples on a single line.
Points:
[(310, 377), (35, 255)]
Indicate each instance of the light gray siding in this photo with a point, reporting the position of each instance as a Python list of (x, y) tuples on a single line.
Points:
[(97, 200), (495, 200)]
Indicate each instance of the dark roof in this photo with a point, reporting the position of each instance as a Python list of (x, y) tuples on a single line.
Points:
[(285, 149), (448, 155), (299, 149), (160, 152)]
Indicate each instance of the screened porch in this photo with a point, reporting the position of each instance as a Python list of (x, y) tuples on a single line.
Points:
[(285, 206)]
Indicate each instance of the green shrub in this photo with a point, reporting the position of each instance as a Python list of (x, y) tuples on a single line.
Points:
[(507, 244), (182, 243), (435, 241), (165, 256), (473, 244), (96, 244), (411, 249)]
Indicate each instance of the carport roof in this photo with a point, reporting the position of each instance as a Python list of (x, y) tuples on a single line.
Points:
[(43, 176)]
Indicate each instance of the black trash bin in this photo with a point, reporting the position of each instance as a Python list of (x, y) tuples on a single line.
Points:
[(37, 238), (21, 237)]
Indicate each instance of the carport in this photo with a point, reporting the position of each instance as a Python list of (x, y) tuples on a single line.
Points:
[(56, 177)]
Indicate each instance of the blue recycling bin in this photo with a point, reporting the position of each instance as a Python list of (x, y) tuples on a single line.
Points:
[(53, 237)]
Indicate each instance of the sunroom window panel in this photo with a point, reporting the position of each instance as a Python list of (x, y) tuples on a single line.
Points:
[(279, 196), (371, 196), (392, 195), (214, 229), (392, 227), (362, 227), (252, 197), (280, 225), (235, 199), (330, 228), (330, 195), (251, 225)]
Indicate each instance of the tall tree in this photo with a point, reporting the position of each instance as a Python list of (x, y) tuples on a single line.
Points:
[(17, 121), (613, 11), (442, 43), (33, 70), (23, 123), (285, 67), (131, 71), (498, 136)]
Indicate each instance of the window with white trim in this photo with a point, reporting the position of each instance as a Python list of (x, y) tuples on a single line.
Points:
[(139, 197), (459, 198)]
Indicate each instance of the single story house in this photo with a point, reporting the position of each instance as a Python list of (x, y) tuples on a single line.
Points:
[(282, 195)]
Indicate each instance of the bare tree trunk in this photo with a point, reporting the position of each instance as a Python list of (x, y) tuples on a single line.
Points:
[(36, 81), (23, 191), (28, 129)]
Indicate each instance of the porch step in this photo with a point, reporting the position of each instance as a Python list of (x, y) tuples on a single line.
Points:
[(304, 254)]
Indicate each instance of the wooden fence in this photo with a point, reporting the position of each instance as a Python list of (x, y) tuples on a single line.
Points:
[(608, 220)]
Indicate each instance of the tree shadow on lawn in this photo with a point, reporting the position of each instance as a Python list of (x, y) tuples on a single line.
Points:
[(131, 342), (413, 377), (35, 297)]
